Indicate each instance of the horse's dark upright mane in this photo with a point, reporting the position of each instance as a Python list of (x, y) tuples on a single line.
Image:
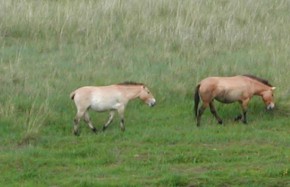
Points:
[(130, 83), (259, 79)]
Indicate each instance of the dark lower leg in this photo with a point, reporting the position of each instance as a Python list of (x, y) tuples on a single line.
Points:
[(214, 113), (109, 121), (89, 122), (242, 117), (76, 128), (238, 117), (199, 114), (245, 117), (122, 124), (244, 105)]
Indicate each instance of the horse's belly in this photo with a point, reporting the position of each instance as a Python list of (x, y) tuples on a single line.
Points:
[(228, 97), (99, 108), (104, 106), (224, 100)]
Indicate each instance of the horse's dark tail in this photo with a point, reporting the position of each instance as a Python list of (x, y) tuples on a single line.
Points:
[(72, 95), (196, 99)]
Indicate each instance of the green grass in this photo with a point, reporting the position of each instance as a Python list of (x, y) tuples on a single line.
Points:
[(49, 48)]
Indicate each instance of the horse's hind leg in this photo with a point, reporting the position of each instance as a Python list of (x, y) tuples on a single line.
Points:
[(77, 119), (110, 120), (244, 118), (214, 113), (76, 126), (89, 122), (121, 114), (199, 113)]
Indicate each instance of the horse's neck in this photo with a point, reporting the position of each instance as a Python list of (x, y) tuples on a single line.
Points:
[(260, 88), (131, 92)]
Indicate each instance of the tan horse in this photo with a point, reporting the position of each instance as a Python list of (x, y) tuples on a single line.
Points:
[(239, 88), (108, 98)]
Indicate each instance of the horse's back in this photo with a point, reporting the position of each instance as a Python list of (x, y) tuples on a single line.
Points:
[(224, 89), (84, 91), (90, 92), (210, 82)]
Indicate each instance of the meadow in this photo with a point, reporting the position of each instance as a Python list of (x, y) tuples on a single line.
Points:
[(49, 48)]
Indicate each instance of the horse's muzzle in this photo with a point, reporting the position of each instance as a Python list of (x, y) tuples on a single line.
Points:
[(152, 102), (270, 106)]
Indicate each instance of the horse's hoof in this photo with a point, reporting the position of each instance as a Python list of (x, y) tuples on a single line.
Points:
[(238, 118), (76, 133), (104, 128), (220, 122), (94, 130)]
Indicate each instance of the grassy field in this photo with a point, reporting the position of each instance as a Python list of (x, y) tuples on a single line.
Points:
[(49, 48)]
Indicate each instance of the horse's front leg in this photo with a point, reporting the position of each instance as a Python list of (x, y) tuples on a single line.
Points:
[(243, 116), (214, 113), (244, 120), (110, 120), (121, 114)]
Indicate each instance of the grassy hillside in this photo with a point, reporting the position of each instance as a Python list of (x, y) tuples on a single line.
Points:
[(49, 48)]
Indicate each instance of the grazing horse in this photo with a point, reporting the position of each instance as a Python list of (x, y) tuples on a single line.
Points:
[(239, 88), (108, 98)]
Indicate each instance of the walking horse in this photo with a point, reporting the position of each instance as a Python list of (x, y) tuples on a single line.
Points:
[(239, 88), (108, 98)]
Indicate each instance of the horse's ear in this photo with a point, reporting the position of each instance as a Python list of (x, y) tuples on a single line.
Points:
[(273, 88)]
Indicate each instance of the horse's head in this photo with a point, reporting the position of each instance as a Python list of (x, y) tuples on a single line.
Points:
[(146, 96), (268, 98)]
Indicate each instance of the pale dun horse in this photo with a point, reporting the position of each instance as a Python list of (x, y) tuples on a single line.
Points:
[(239, 88), (108, 98)]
